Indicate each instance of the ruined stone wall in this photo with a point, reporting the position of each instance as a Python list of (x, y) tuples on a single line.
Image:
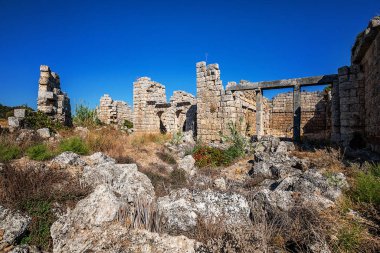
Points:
[(356, 114), (152, 113), (113, 112), (51, 100), (315, 119)]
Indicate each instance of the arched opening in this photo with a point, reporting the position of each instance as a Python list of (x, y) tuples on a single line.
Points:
[(163, 129)]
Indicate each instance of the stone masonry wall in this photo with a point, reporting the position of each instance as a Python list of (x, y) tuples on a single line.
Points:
[(113, 112), (315, 119), (356, 114), (51, 100)]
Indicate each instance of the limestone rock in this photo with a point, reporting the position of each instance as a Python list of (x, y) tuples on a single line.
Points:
[(44, 133), (220, 183), (124, 179), (68, 158), (182, 208), (187, 164), (12, 225), (93, 227), (99, 158)]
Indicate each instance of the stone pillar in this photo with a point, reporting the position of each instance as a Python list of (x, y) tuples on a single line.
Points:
[(335, 113), (259, 113), (297, 113)]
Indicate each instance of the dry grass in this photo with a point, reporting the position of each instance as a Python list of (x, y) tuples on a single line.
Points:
[(3, 123)]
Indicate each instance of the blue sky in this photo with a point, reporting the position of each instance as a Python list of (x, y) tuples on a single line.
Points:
[(101, 47)]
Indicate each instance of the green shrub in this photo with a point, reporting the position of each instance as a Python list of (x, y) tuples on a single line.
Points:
[(39, 152), (37, 120), (85, 116), (128, 124), (176, 138), (8, 152), (74, 144), (367, 187)]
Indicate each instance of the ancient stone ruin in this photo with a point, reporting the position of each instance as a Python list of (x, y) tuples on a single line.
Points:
[(113, 111), (348, 114), (51, 100), (152, 112)]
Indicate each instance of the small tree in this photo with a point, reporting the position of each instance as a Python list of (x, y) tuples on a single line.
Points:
[(85, 116)]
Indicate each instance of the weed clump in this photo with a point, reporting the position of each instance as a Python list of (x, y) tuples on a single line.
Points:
[(85, 116), (8, 152), (367, 186), (39, 152), (74, 144)]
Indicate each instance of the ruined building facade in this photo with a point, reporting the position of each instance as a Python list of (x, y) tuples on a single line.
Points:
[(113, 112), (51, 100)]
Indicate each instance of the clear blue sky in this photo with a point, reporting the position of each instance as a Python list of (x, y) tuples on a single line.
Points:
[(101, 47)]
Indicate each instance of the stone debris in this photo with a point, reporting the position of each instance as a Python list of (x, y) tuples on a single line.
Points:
[(113, 112), (51, 100)]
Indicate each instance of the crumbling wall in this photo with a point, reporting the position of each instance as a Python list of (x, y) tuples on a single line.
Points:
[(152, 113), (113, 112), (356, 114), (51, 100), (146, 94), (217, 108)]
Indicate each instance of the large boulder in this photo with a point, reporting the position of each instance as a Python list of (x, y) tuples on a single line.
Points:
[(182, 209), (94, 226), (12, 226), (124, 179)]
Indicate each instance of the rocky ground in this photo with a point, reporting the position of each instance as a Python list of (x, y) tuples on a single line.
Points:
[(278, 198)]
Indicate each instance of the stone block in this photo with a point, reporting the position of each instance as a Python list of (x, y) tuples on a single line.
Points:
[(19, 113)]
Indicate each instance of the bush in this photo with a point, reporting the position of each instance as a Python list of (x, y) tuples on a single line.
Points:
[(74, 144), (208, 156), (128, 124), (8, 152), (84, 116), (367, 186), (39, 152), (349, 238), (37, 120)]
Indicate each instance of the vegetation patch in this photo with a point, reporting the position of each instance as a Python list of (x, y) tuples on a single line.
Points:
[(366, 187), (166, 157), (74, 144), (34, 191), (85, 116), (37, 120), (39, 152), (128, 124), (8, 152)]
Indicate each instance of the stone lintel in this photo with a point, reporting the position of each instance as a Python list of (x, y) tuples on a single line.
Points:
[(314, 80)]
